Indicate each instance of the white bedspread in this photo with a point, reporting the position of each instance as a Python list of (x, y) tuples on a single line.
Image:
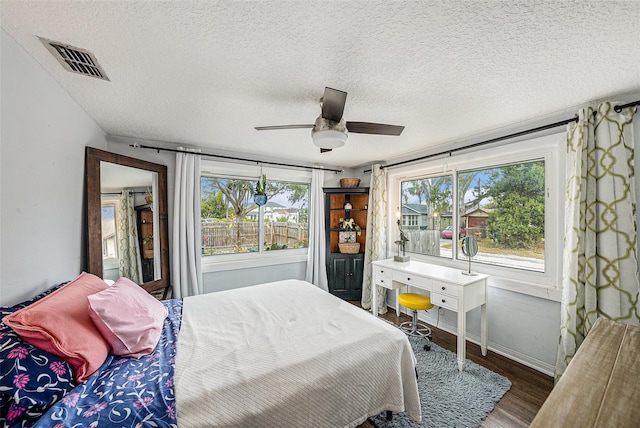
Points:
[(287, 354)]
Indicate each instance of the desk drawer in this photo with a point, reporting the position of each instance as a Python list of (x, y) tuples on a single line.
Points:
[(411, 279), (444, 301), (444, 288), (383, 277), (382, 271), (384, 281)]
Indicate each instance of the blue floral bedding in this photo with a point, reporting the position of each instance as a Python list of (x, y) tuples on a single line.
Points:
[(126, 392), (31, 380)]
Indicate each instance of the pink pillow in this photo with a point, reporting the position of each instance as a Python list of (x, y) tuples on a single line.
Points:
[(60, 324), (128, 317)]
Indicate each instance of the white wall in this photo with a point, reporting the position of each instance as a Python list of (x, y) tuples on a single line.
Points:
[(229, 279), (42, 142)]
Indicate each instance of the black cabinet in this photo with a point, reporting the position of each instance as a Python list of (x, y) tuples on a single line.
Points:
[(345, 265), (345, 275)]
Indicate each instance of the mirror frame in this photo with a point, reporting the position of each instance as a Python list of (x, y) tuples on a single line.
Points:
[(93, 201)]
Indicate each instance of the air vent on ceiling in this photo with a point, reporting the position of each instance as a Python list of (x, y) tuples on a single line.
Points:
[(75, 59)]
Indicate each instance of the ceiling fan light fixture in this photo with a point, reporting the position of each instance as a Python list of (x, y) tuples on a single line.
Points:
[(329, 139)]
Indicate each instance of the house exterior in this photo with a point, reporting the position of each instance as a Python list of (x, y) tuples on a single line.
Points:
[(415, 216), (476, 222), (275, 212)]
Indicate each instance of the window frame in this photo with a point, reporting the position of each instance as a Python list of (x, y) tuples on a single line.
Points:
[(546, 284), (224, 262), (105, 200)]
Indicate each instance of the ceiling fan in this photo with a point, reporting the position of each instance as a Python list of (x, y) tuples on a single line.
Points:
[(330, 129)]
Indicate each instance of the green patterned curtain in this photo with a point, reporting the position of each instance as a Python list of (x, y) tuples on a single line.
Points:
[(376, 243), (600, 267), (129, 251)]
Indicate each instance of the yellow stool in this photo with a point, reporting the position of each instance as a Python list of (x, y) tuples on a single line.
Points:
[(416, 302)]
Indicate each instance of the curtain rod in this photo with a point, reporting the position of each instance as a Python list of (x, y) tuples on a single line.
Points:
[(617, 109), (138, 146), (120, 193)]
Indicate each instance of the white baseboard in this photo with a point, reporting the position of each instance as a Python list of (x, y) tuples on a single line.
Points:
[(514, 355)]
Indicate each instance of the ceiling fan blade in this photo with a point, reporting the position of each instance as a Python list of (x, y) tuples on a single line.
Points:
[(333, 104), (325, 150), (374, 128), (270, 128)]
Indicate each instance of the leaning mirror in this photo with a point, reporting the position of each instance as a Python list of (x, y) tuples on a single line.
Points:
[(127, 231)]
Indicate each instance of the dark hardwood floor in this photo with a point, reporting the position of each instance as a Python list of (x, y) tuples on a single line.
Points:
[(519, 405)]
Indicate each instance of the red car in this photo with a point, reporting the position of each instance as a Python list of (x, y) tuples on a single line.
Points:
[(448, 233)]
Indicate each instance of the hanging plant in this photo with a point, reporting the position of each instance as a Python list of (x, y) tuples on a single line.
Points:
[(261, 185), (260, 196)]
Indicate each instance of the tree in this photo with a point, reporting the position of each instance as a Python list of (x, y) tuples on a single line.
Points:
[(465, 181), (212, 205), (236, 197), (435, 191), (517, 195)]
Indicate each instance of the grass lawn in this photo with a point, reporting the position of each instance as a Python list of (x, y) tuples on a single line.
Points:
[(487, 246)]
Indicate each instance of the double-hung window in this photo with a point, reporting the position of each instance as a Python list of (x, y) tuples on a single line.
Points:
[(233, 224)]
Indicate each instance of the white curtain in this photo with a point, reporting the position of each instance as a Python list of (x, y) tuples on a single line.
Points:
[(600, 262), (186, 268), (316, 270), (128, 246), (376, 242)]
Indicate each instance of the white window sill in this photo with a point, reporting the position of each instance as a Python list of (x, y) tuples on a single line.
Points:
[(523, 287), (111, 264), (252, 260)]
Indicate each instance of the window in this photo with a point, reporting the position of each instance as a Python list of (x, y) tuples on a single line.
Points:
[(426, 211), (409, 220), (232, 223), (109, 238), (510, 197), (110, 217), (503, 207), (286, 216)]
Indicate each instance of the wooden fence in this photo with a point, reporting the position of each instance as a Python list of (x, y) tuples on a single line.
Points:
[(226, 238), (423, 242)]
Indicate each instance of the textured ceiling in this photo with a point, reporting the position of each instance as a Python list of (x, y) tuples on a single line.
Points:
[(205, 73)]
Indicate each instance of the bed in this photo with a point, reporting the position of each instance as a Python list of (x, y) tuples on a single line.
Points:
[(276, 354)]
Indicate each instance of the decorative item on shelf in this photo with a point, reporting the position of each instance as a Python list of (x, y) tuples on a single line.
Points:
[(149, 198), (349, 224), (347, 236), (469, 248), (260, 197), (349, 182), (349, 247), (147, 249), (401, 243), (348, 206)]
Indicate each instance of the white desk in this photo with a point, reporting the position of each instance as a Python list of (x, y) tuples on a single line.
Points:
[(448, 288)]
